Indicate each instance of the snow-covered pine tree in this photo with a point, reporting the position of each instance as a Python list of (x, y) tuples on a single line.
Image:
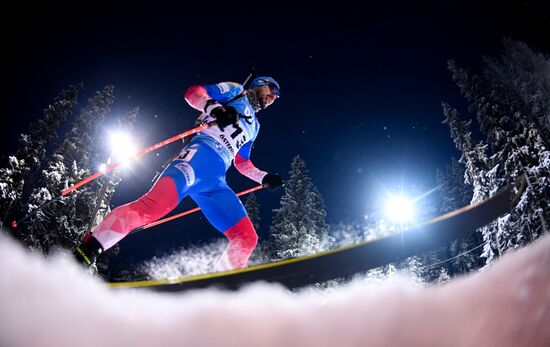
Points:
[(478, 173), (253, 209), (63, 223), (520, 81), (293, 232), (507, 102), (412, 266), (456, 194), (443, 276), (18, 180), (474, 156), (478, 170), (319, 217), (431, 264), (374, 276), (11, 188), (259, 255), (525, 74), (465, 254)]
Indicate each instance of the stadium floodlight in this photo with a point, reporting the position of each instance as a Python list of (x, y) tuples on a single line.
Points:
[(122, 147), (400, 210)]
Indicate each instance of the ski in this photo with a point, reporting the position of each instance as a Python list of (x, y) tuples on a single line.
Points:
[(347, 261)]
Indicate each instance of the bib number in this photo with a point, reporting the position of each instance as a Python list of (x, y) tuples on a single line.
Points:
[(187, 154)]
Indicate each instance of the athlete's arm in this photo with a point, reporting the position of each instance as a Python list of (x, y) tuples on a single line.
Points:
[(208, 97), (244, 165)]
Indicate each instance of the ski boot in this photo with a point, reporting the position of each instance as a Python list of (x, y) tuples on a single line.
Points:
[(87, 252)]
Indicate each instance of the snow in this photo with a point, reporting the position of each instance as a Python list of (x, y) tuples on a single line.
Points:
[(185, 262), (54, 303)]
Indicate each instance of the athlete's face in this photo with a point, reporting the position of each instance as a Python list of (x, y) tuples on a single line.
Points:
[(265, 95)]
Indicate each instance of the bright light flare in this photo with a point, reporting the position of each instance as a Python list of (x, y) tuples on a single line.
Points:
[(122, 146), (400, 210)]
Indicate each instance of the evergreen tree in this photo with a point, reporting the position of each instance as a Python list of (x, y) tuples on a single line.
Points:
[(298, 228), (431, 264), (443, 276), (511, 105), (414, 269), (18, 179), (319, 215), (253, 209), (464, 254), (524, 73), (259, 255), (376, 275), (64, 222), (456, 194), (520, 79), (474, 156), (478, 171)]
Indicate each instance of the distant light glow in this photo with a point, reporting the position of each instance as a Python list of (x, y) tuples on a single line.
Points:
[(102, 167), (400, 210)]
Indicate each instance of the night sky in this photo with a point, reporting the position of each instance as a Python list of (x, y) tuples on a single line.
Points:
[(361, 89)]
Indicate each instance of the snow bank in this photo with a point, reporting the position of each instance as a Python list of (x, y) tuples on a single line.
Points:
[(54, 303)]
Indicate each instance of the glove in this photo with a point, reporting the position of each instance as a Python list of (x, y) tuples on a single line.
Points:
[(225, 115), (271, 181)]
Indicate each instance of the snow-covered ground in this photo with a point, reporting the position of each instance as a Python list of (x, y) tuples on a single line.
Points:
[(54, 303)]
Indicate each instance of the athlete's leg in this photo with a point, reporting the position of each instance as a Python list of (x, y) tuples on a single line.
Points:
[(242, 241), (225, 211), (161, 199)]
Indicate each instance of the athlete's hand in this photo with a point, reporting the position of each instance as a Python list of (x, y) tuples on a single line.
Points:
[(225, 115), (272, 181)]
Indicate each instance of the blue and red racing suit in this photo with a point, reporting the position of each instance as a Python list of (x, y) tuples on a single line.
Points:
[(199, 171)]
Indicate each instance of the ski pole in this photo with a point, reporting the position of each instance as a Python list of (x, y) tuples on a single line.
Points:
[(185, 213), (114, 166)]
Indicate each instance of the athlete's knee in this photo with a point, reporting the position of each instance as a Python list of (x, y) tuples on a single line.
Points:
[(158, 201), (243, 234)]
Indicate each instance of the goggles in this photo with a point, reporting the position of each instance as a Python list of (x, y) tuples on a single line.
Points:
[(274, 90)]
